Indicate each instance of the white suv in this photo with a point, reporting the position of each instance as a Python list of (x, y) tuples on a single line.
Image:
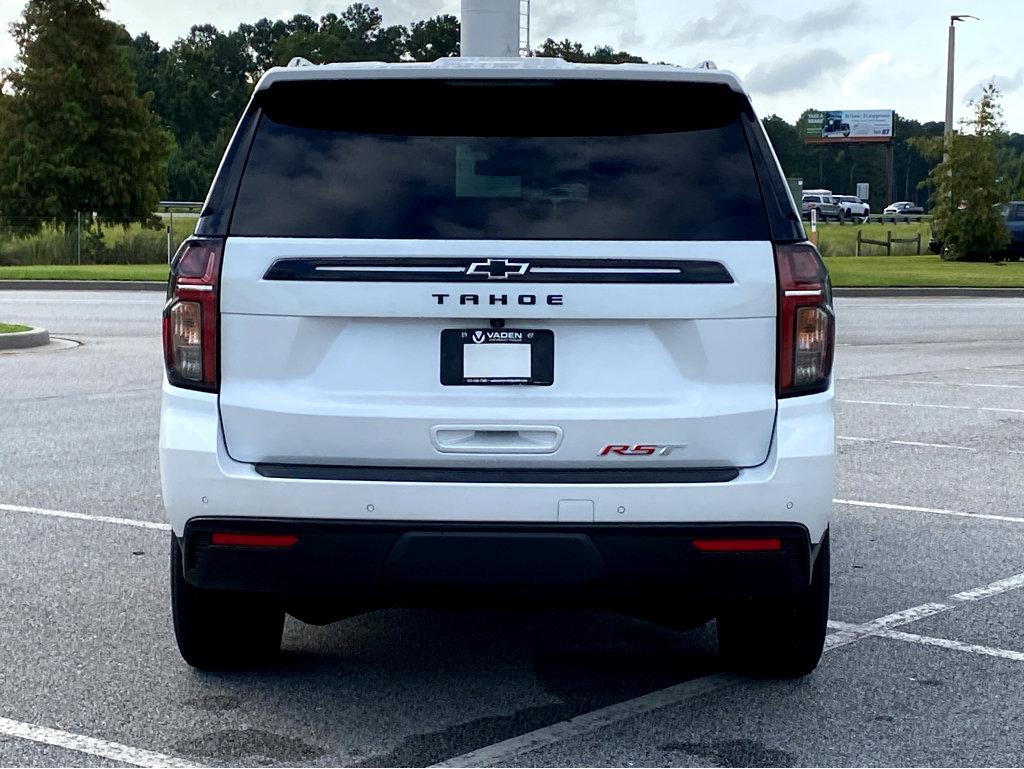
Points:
[(852, 206), (513, 333)]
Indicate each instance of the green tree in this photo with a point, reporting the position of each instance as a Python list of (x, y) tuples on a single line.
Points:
[(434, 38), (968, 187), (201, 88), (76, 134), (573, 51)]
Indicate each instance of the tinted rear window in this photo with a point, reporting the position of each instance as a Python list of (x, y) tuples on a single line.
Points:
[(581, 160)]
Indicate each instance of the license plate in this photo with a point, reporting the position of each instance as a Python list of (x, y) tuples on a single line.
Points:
[(497, 356)]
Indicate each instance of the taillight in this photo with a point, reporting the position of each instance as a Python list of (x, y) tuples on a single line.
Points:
[(239, 539), (191, 315), (807, 323), (746, 545)]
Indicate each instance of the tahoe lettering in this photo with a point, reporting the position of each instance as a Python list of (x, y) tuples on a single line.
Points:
[(499, 299)]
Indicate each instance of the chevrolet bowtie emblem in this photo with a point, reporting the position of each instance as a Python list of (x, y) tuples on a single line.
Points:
[(498, 269)]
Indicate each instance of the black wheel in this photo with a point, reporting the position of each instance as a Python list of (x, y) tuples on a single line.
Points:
[(780, 637), (222, 629)]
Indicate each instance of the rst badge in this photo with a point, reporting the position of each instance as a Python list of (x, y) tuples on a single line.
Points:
[(639, 449)]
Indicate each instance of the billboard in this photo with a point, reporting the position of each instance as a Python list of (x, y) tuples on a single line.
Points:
[(837, 126)]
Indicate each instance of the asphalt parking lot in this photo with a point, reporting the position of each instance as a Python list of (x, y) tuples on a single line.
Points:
[(925, 664)]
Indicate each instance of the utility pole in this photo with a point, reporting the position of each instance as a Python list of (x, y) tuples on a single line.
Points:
[(948, 133)]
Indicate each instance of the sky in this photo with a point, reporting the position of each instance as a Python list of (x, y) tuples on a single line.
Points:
[(830, 55)]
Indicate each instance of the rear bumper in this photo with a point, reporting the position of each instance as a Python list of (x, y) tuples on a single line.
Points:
[(794, 484), (359, 566)]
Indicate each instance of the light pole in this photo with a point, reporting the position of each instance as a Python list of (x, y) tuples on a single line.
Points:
[(949, 79)]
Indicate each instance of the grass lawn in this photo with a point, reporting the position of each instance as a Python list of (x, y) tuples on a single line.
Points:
[(922, 271), (133, 244), (84, 272), (841, 239), (846, 271), (12, 328)]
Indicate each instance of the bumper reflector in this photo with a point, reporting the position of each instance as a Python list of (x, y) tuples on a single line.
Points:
[(236, 539), (738, 545)]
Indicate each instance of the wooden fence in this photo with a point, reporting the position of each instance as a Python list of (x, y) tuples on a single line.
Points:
[(887, 243)]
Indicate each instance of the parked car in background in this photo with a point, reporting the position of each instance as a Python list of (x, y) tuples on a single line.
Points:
[(825, 205), (852, 206), (902, 208), (1013, 215)]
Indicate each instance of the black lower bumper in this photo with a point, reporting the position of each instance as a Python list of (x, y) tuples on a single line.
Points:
[(358, 566)]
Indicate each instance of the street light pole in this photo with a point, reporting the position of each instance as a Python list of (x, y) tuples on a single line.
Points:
[(948, 133)]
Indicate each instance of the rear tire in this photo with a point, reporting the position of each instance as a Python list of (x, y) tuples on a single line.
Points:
[(781, 637), (222, 629)]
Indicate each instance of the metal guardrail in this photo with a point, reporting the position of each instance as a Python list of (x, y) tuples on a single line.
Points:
[(190, 204)]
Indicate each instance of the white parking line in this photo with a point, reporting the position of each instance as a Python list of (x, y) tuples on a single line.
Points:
[(919, 444), (581, 725), (853, 633), (992, 588), (508, 750), (935, 510), (934, 406), (158, 299), (931, 382), (84, 517), (943, 643), (166, 527), (92, 746)]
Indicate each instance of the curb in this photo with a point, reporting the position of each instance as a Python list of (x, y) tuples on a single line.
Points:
[(921, 291), (84, 285), (20, 340)]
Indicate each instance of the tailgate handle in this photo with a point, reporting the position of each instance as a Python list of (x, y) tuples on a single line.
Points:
[(496, 439)]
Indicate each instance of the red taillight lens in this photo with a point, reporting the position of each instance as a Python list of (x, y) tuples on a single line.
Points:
[(239, 539), (806, 321), (191, 315), (738, 545)]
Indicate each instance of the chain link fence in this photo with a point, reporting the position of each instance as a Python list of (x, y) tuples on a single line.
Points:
[(26, 240)]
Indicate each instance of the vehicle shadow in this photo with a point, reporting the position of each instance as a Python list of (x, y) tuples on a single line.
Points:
[(442, 683)]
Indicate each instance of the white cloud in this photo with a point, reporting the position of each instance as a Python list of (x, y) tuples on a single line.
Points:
[(796, 72), (1007, 84), (729, 21)]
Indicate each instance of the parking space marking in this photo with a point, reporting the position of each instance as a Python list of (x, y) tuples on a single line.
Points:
[(934, 406), (942, 643), (84, 517), (853, 633), (935, 510), (92, 746), (946, 643), (588, 723), (919, 444), (993, 588), (4, 299), (932, 382), (508, 750)]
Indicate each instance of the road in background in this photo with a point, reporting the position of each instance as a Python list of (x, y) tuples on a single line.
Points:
[(930, 417)]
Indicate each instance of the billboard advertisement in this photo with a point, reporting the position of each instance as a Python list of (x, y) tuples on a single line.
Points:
[(873, 125)]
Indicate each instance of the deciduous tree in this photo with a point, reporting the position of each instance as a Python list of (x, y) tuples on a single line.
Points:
[(968, 187), (76, 135)]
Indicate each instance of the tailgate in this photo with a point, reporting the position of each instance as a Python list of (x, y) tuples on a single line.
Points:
[(348, 371)]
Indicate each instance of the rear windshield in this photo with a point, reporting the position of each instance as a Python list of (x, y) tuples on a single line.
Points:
[(430, 159)]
